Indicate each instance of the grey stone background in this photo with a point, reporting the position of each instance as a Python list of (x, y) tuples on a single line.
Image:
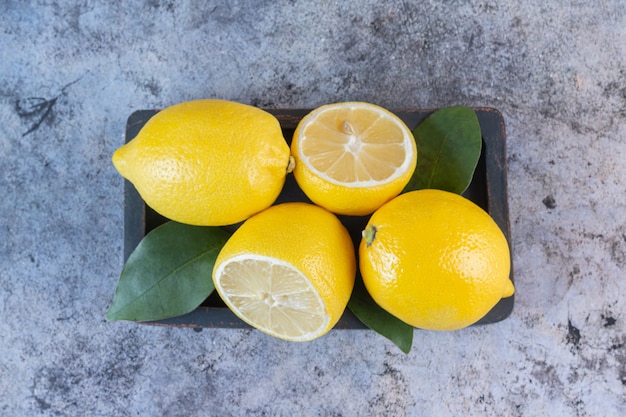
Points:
[(71, 72)]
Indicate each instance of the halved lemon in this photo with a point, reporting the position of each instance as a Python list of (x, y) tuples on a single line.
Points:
[(288, 271), (352, 157)]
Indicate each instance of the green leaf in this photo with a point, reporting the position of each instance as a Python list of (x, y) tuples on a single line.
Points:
[(448, 142), (379, 320), (168, 274)]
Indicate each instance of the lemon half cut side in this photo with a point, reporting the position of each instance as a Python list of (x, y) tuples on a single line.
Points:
[(273, 296)]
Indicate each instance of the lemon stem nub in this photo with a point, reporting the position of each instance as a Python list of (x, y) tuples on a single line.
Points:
[(509, 289), (369, 234), (291, 165)]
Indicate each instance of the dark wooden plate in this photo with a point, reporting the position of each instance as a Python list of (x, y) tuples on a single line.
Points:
[(488, 189)]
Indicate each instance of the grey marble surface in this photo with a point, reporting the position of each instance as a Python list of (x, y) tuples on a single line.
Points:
[(71, 72)]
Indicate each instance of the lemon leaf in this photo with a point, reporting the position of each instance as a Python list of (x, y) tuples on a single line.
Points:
[(168, 274), (449, 143), (373, 316)]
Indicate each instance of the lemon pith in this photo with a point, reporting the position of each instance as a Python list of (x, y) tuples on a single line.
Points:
[(435, 260)]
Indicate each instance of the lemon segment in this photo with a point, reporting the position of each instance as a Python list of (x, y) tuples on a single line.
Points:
[(352, 157)]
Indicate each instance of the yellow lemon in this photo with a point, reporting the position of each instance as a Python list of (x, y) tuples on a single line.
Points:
[(435, 260), (352, 157), (207, 162), (288, 271)]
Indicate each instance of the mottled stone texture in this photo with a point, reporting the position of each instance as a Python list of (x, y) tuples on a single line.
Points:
[(71, 72)]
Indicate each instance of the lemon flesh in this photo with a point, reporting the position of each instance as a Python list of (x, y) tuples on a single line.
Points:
[(273, 296), (352, 157)]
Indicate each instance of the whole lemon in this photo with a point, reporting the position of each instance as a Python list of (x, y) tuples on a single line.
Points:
[(435, 260), (288, 271), (352, 157), (207, 162)]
